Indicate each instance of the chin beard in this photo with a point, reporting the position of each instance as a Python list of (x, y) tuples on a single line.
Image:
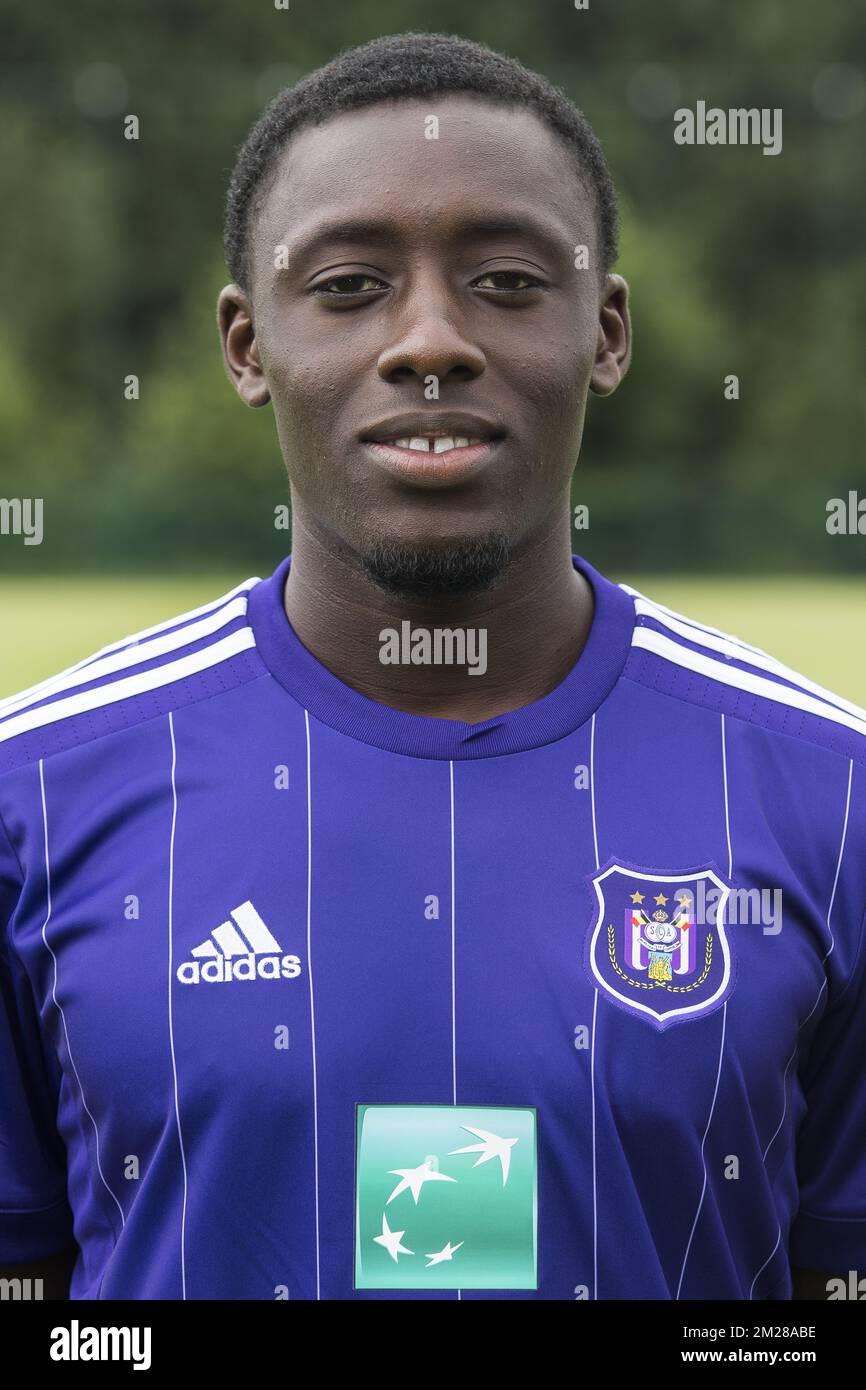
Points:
[(460, 568)]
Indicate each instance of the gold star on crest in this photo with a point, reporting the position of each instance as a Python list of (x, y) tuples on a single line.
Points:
[(637, 897), (660, 899)]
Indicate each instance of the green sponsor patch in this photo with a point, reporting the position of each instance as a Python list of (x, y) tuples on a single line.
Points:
[(445, 1197)]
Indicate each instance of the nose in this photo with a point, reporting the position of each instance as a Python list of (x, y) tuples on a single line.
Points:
[(428, 342)]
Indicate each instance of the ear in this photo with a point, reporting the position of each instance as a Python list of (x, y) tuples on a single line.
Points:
[(613, 353), (240, 352)]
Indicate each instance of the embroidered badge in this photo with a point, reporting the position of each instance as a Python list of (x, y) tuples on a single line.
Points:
[(658, 946)]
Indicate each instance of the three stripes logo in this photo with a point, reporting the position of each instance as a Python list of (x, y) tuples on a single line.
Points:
[(241, 949)]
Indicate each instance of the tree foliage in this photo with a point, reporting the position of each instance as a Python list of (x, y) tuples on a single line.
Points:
[(739, 264)]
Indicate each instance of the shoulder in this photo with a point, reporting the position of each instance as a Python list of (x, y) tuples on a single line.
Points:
[(688, 660), (141, 676)]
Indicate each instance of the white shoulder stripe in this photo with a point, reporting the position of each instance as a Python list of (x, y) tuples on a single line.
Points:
[(130, 686), (729, 646), (692, 622), (666, 647), (34, 692), (133, 655)]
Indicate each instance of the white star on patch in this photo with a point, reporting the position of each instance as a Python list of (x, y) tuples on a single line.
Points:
[(414, 1178), (446, 1253), (391, 1240), (492, 1146)]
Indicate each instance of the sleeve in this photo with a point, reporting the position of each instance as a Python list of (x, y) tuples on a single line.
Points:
[(829, 1232), (35, 1219)]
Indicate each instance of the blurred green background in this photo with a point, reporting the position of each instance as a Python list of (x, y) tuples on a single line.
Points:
[(738, 263)]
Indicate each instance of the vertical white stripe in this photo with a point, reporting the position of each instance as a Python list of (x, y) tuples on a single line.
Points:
[(724, 1019), (170, 999), (592, 785), (312, 1007), (827, 953), (453, 923), (839, 860), (594, 1201), (727, 807), (54, 988), (821, 989), (594, 1015), (703, 1143), (766, 1262), (453, 989)]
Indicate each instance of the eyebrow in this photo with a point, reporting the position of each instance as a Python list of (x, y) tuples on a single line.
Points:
[(378, 233)]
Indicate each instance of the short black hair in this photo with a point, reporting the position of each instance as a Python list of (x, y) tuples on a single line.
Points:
[(403, 66)]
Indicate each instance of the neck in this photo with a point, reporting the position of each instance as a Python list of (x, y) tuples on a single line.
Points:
[(531, 627)]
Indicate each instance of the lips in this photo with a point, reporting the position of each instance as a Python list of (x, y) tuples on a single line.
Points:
[(433, 449), (425, 467)]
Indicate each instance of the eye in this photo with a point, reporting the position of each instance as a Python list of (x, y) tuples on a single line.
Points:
[(506, 281), (344, 286)]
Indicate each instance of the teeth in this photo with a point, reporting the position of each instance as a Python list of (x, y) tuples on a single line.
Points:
[(438, 444)]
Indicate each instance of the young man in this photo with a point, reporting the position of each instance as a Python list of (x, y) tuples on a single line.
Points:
[(436, 918)]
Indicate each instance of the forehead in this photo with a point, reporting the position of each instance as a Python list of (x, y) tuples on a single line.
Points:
[(424, 164)]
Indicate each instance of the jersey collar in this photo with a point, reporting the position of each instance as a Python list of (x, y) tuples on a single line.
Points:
[(557, 714)]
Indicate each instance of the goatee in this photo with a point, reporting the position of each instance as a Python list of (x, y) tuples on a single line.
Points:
[(460, 568)]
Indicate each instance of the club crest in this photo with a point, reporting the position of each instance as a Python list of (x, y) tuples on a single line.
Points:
[(658, 946)]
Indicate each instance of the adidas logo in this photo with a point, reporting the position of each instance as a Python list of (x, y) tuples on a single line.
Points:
[(242, 949)]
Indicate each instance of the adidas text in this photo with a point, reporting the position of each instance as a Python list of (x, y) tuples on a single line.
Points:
[(221, 970)]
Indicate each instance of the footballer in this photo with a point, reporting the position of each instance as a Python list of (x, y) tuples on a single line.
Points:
[(404, 925)]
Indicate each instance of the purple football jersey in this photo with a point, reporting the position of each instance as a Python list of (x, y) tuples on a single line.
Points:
[(243, 905)]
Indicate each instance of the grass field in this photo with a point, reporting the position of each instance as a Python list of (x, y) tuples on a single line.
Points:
[(818, 626)]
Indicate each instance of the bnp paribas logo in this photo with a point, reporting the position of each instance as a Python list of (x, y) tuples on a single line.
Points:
[(445, 1197)]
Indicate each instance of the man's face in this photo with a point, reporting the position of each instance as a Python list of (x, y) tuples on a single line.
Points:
[(428, 288)]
